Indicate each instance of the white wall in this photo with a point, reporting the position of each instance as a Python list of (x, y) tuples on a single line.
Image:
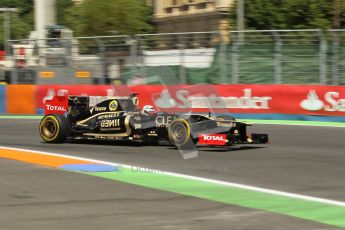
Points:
[(198, 58)]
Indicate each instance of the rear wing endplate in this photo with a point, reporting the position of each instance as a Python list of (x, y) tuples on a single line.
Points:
[(57, 105)]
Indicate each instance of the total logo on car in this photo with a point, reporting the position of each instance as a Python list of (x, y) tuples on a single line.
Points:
[(212, 139)]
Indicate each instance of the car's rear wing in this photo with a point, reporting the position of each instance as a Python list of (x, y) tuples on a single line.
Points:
[(57, 105)]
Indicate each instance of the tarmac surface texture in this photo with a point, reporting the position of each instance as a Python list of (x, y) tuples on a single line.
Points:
[(304, 160)]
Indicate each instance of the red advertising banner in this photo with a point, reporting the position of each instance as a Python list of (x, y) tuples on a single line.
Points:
[(255, 99)]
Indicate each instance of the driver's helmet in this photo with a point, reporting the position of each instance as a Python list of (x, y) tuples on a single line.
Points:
[(148, 109)]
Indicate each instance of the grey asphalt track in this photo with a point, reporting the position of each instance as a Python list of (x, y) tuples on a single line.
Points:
[(304, 160)]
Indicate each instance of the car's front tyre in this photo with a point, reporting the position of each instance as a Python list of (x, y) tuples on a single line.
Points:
[(54, 128), (180, 134)]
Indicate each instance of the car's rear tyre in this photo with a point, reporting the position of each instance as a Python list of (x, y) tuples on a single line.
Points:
[(180, 134), (54, 128)]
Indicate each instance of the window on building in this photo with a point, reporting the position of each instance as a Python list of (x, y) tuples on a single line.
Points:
[(184, 8), (201, 5), (169, 10)]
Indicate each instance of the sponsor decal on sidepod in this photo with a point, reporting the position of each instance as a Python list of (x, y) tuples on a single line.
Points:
[(98, 109)]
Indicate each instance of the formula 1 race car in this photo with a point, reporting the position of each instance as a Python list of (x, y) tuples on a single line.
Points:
[(119, 118)]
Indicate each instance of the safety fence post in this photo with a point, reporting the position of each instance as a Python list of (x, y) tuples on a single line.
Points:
[(322, 58), (277, 58), (223, 60), (335, 58), (234, 58), (182, 71)]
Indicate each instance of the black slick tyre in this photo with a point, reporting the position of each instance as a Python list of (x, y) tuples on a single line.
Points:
[(54, 128)]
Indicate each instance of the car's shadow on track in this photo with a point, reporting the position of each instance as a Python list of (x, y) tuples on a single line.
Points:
[(114, 143), (228, 148), (163, 144), (221, 148)]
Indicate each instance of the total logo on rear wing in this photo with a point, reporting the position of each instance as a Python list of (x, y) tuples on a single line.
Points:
[(57, 105)]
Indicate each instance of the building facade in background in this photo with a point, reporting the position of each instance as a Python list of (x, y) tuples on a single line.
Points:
[(172, 16), (178, 16)]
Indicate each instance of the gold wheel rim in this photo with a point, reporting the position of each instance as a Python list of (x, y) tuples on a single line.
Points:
[(172, 134), (49, 129)]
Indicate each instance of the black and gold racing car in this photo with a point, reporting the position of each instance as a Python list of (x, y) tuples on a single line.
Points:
[(119, 118)]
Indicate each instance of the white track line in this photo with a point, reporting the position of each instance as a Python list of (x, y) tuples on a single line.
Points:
[(202, 179)]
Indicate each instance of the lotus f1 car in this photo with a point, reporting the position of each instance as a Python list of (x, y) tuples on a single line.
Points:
[(119, 118)]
